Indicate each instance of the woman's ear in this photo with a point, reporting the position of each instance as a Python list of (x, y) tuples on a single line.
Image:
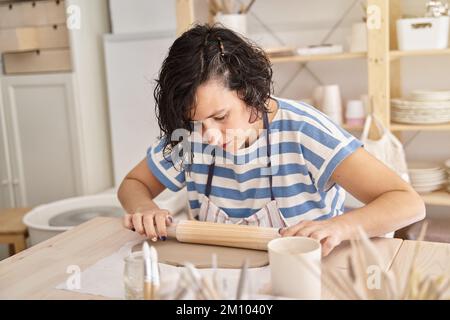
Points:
[(254, 115)]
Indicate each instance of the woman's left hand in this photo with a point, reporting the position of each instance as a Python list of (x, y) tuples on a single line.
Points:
[(329, 232)]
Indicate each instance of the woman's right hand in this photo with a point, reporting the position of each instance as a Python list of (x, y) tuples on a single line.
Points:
[(152, 222)]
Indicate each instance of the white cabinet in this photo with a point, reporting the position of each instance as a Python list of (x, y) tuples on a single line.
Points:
[(54, 134), (41, 135), (6, 190)]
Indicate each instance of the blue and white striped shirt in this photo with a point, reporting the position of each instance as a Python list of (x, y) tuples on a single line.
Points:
[(306, 148)]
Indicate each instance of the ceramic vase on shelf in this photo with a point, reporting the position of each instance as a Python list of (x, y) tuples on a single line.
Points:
[(355, 113), (358, 40), (234, 21)]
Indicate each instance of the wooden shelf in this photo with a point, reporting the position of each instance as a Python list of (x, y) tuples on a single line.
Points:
[(407, 127), (319, 57), (395, 54), (437, 198), (420, 127)]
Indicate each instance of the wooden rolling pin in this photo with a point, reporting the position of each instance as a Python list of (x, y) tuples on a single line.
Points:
[(219, 234)]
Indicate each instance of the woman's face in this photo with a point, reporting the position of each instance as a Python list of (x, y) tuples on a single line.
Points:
[(224, 117)]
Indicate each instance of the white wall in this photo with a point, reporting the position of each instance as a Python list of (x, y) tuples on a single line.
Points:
[(150, 15), (90, 93), (132, 64)]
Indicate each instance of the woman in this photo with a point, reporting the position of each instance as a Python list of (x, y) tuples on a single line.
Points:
[(248, 157)]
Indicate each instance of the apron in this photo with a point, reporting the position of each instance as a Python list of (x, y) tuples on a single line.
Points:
[(268, 216)]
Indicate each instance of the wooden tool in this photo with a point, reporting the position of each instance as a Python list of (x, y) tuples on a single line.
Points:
[(151, 272), (148, 291), (219, 234)]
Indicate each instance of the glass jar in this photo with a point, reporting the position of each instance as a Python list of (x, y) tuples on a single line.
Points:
[(133, 276)]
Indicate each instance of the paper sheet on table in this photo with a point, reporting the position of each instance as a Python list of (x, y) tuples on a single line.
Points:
[(105, 277)]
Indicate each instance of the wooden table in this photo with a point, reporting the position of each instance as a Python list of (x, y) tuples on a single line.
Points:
[(433, 259), (34, 273)]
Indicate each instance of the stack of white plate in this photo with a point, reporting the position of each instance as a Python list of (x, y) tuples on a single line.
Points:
[(424, 107), (427, 95), (447, 168), (426, 176)]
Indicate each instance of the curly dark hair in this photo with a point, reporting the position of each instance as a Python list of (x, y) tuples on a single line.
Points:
[(204, 53)]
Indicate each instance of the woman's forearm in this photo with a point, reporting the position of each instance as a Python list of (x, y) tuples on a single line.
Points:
[(133, 194), (391, 211)]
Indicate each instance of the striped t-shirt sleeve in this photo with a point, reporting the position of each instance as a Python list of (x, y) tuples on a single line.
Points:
[(325, 145), (163, 167)]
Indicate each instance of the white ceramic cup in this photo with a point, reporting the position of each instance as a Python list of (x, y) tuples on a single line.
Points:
[(355, 109), (236, 22), (355, 112), (332, 103), (295, 267)]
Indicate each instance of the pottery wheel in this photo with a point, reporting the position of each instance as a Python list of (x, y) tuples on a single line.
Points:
[(177, 253), (76, 217)]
